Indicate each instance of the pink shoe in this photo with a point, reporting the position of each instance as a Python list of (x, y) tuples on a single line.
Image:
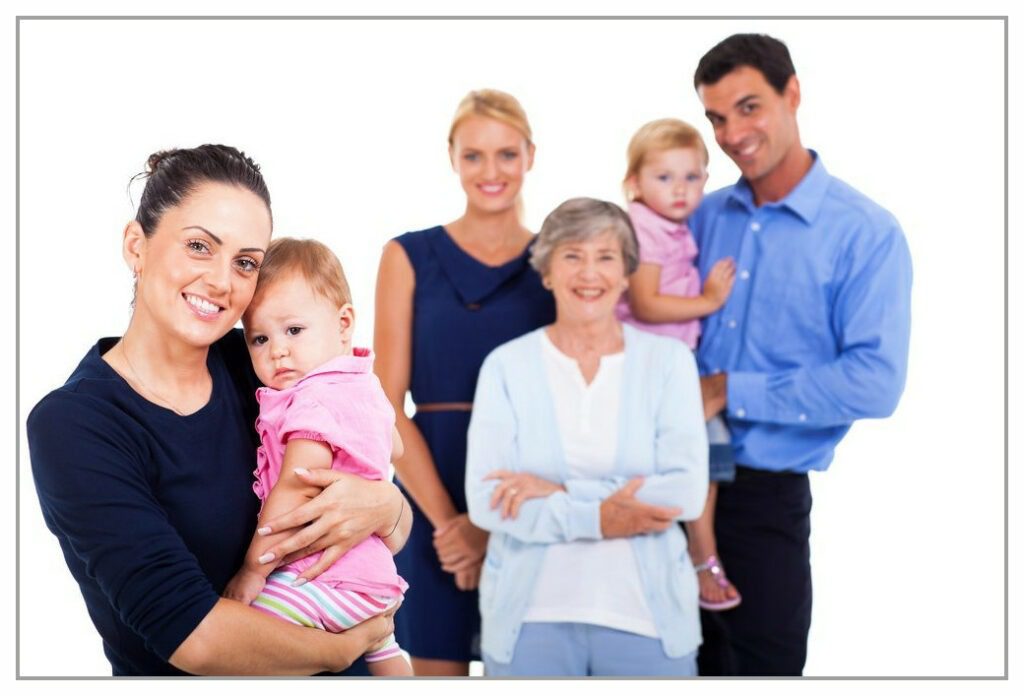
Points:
[(712, 566)]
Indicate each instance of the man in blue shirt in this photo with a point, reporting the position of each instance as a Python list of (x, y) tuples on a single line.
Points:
[(813, 337)]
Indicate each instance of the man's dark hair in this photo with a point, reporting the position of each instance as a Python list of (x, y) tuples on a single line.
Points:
[(768, 55)]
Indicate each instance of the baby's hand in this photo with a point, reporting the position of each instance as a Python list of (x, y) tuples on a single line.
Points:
[(718, 284), (245, 586)]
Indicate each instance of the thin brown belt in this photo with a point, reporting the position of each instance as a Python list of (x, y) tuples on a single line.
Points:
[(444, 406)]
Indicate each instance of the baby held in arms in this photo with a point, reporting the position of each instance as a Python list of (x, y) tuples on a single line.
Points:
[(322, 407)]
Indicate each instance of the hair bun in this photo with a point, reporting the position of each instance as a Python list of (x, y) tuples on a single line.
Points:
[(157, 157)]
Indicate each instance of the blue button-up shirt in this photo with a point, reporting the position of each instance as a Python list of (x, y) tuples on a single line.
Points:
[(816, 330)]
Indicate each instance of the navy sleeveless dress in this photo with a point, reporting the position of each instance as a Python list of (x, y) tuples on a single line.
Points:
[(462, 310)]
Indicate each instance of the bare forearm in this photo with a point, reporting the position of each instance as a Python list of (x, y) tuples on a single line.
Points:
[(419, 476), (283, 498), (395, 536), (662, 309), (236, 640)]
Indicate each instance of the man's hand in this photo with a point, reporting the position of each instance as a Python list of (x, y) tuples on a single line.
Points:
[(713, 390)]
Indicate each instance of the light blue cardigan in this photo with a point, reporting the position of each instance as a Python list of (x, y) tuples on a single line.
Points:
[(662, 438)]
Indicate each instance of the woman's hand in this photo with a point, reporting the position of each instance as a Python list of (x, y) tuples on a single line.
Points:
[(622, 515), (459, 544), (514, 488), (469, 579), (347, 511)]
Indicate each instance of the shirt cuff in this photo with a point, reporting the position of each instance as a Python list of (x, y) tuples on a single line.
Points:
[(747, 396), (584, 520)]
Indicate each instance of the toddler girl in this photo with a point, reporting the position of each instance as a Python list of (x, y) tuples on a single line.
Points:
[(322, 407), (665, 176)]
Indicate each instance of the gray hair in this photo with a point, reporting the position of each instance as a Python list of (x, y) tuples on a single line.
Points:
[(581, 219)]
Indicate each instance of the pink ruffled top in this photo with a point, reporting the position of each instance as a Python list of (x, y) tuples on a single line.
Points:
[(670, 245), (342, 404)]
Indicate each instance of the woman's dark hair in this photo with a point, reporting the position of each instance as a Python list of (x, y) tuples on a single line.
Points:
[(765, 53), (171, 175)]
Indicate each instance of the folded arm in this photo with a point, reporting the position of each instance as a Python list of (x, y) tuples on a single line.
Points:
[(871, 324)]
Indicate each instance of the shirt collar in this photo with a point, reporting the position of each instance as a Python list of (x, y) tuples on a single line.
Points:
[(648, 218), (361, 360), (804, 200)]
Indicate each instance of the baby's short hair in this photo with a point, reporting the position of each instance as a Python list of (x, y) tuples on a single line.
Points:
[(658, 136), (312, 260)]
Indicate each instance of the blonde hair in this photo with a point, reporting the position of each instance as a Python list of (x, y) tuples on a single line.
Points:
[(492, 103), (658, 136), (311, 259)]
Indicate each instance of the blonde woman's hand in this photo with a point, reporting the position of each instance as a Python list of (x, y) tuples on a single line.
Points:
[(459, 544), (469, 579)]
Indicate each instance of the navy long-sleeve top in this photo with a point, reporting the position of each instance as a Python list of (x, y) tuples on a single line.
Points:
[(153, 511)]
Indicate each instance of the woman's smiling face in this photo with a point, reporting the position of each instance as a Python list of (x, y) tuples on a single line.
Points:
[(491, 159), (587, 278), (197, 271)]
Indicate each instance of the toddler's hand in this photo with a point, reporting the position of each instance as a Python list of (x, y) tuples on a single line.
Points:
[(718, 284), (245, 586)]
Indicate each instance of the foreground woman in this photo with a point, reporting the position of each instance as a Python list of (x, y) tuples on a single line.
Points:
[(143, 460), (587, 443)]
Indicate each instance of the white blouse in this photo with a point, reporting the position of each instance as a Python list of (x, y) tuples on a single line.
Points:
[(594, 582)]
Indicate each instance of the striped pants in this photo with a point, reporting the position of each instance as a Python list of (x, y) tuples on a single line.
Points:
[(318, 605)]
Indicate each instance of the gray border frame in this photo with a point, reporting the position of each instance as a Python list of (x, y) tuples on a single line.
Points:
[(554, 17)]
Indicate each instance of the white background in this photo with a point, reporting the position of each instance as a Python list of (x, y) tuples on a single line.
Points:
[(349, 119)]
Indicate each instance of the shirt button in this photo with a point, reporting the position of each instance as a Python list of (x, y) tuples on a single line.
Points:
[(802, 417), (744, 275), (741, 413), (755, 226), (732, 323)]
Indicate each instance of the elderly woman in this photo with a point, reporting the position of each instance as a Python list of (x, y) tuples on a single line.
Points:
[(586, 444)]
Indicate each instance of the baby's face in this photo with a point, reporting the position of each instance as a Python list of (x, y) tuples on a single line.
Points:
[(671, 182), (290, 329)]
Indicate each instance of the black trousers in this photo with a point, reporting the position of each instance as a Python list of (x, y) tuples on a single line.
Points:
[(763, 527)]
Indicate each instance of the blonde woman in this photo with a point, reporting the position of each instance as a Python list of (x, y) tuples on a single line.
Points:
[(446, 296)]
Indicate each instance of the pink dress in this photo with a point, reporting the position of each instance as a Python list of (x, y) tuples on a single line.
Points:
[(342, 404), (670, 245)]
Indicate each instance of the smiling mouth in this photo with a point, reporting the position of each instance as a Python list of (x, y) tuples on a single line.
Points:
[(491, 189), (202, 308), (747, 152), (588, 294)]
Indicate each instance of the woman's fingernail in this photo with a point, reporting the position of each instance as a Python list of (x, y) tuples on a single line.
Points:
[(298, 582), (263, 531), (266, 558), (300, 470)]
